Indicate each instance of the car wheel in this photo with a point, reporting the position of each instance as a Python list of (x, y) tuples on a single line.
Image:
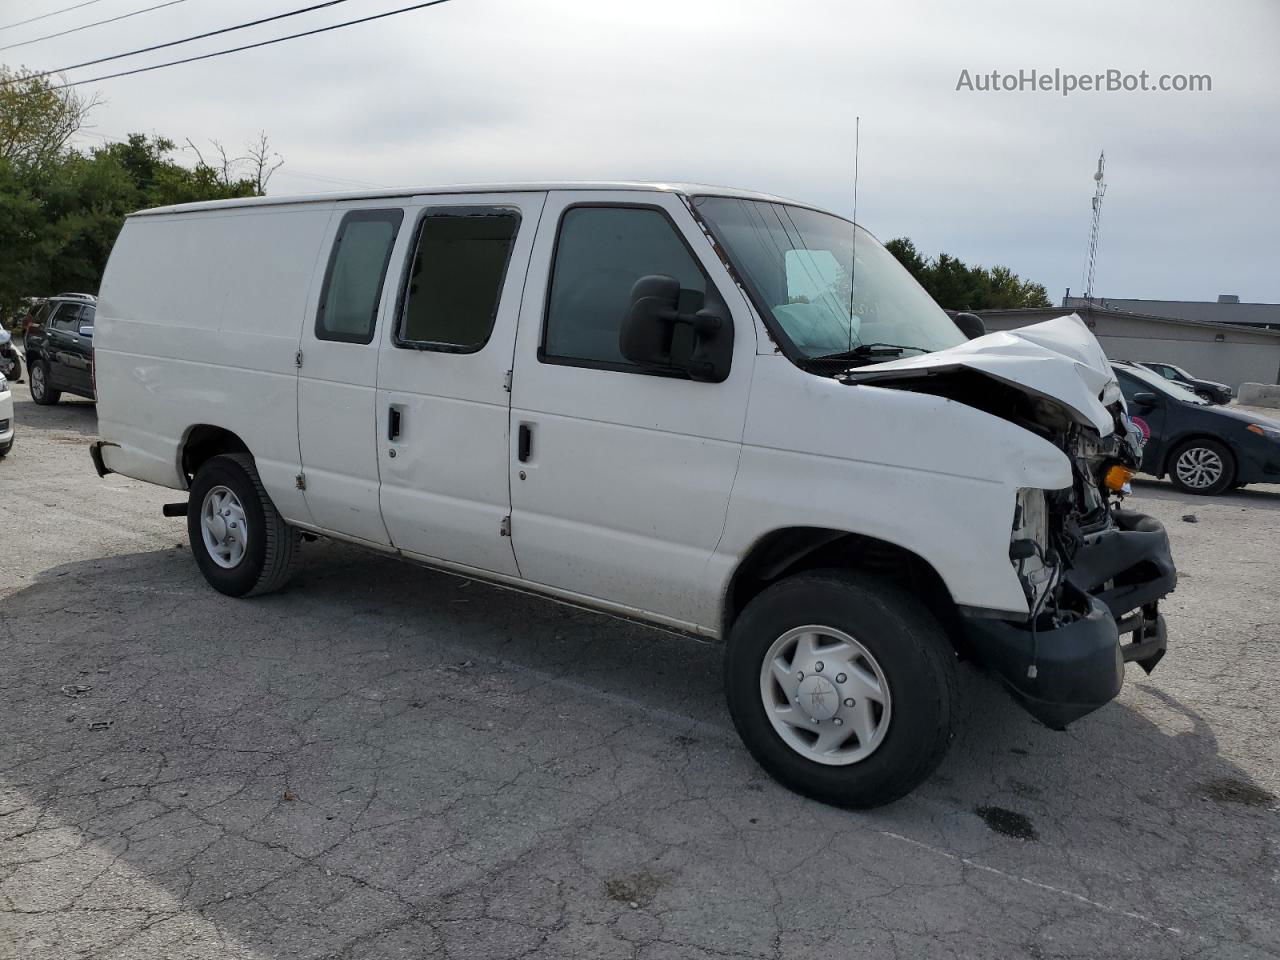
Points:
[(41, 392), (842, 687), (241, 544), (1202, 467), (11, 367), (1206, 396), (5, 448)]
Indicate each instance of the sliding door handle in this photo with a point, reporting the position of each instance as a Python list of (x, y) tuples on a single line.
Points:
[(524, 443), (393, 422)]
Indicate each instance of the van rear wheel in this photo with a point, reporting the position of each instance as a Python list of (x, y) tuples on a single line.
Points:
[(842, 687), (241, 544)]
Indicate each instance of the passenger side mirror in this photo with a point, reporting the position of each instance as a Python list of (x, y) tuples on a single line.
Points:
[(656, 334), (86, 330), (1145, 400), (970, 325)]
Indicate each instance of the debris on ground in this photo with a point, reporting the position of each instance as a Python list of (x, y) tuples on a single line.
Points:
[(1190, 518), (101, 724), (289, 796), (76, 689)]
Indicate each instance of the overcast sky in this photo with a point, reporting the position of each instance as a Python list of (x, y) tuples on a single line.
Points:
[(760, 95)]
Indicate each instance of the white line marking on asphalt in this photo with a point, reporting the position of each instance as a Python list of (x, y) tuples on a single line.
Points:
[(1035, 883)]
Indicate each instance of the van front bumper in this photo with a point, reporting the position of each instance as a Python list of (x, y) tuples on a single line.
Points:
[(1068, 669)]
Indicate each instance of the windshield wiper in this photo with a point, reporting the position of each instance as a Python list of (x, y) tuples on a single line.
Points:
[(865, 353)]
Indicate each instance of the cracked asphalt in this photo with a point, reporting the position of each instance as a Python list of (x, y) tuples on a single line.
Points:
[(387, 762)]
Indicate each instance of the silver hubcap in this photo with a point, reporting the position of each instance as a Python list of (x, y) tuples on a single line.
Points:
[(224, 528), (1199, 468), (37, 381), (825, 695)]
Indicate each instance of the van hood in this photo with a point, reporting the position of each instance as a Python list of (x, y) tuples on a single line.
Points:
[(1059, 359)]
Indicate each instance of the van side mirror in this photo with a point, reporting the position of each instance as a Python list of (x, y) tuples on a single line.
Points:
[(970, 325), (656, 334), (1145, 400)]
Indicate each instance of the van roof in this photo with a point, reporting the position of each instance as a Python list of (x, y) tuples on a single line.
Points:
[(535, 187)]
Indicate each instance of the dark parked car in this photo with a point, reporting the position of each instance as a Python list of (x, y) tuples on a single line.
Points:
[(10, 361), (1202, 448), (59, 348), (1209, 390)]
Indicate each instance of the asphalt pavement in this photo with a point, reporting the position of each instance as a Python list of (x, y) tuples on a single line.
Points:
[(388, 762)]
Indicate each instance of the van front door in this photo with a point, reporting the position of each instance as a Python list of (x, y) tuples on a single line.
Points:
[(443, 399), (621, 476), (337, 375)]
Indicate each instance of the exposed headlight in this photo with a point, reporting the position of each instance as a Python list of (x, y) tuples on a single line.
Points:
[(1264, 430), (1029, 546)]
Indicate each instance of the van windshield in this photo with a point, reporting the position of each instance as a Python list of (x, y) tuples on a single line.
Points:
[(832, 296)]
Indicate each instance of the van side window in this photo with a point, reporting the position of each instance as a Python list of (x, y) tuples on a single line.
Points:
[(600, 253), (455, 279), (353, 280)]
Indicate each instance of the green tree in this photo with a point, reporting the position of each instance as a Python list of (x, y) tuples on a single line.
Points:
[(37, 120), (957, 286)]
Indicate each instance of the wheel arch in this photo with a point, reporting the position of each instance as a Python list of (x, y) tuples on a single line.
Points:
[(203, 441), (789, 550)]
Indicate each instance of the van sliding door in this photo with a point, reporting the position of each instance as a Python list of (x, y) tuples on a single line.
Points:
[(443, 398), (338, 369)]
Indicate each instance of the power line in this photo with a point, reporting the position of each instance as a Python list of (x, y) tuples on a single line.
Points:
[(46, 16), (96, 23), (252, 46), (174, 43)]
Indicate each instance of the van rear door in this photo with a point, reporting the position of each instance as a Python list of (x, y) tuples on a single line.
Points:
[(338, 369), (443, 400)]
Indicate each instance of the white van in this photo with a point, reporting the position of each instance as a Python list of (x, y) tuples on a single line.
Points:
[(713, 410)]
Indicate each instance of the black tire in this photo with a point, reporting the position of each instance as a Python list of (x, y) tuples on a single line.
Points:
[(41, 392), (913, 652), (5, 448), (1206, 396), (1202, 447), (272, 549), (14, 373)]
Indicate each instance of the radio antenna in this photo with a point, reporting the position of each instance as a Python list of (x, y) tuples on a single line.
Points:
[(1095, 228), (853, 246)]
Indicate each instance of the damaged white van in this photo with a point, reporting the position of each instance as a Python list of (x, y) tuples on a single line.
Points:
[(717, 411)]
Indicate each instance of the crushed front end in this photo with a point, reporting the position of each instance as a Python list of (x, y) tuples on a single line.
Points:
[(1093, 573)]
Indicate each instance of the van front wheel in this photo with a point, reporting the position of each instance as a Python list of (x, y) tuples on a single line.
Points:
[(842, 687), (239, 540)]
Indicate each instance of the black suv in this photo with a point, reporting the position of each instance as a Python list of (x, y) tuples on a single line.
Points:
[(59, 348), (1209, 390)]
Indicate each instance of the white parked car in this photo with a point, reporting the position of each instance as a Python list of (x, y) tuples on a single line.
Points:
[(6, 417), (713, 410)]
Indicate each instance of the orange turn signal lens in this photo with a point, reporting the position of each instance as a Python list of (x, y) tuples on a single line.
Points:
[(1254, 428), (1116, 477)]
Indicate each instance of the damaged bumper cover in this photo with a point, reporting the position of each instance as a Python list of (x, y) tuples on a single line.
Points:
[(1072, 667)]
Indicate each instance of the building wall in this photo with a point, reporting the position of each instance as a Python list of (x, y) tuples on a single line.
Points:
[(1243, 356)]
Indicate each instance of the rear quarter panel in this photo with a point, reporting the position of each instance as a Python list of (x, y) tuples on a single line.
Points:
[(198, 322)]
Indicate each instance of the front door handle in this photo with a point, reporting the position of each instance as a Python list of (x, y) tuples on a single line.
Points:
[(393, 423), (524, 442)]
